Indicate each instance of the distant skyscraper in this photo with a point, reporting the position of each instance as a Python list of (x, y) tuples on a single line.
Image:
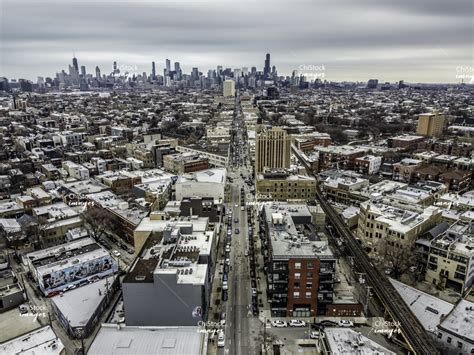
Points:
[(168, 67), (229, 88), (83, 71), (253, 71), (75, 65), (177, 70), (372, 84), (195, 74), (266, 68), (97, 73), (153, 71), (272, 150), (115, 68)]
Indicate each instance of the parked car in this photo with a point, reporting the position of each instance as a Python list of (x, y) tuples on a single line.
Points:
[(115, 253), (221, 339), (225, 296), (225, 286), (345, 323), (254, 292), (314, 334), (297, 323), (388, 271), (279, 324), (23, 308), (236, 231)]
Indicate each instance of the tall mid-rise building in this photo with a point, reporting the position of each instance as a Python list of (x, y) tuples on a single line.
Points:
[(272, 150), (83, 71), (153, 71), (97, 73), (168, 66), (229, 88), (430, 124)]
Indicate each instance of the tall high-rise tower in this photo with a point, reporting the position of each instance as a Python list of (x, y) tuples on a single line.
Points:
[(266, 68), (153, 71), (75, 65), (272, 150)]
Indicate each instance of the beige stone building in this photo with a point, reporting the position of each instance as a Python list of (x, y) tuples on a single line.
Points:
[(382, 223), (282, 186), (430, 124), (272, 150)]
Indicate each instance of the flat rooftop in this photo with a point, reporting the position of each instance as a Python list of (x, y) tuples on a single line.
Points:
[(291, 232), (38, 341), (461, 320), (79, 305), (348, 341), (427, 308), (180, 255), (216, 176), (147, 341)]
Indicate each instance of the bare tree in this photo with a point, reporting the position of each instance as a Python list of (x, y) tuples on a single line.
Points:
[(96, 221), (397, 256)]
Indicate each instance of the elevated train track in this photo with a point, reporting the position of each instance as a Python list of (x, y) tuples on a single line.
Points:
[(412, 330)]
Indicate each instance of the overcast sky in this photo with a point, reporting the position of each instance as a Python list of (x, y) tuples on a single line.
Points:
[(414, 40)]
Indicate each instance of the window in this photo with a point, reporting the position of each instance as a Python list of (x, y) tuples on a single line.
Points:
[(440, 335), (297, 285), (296, 295), (308, 294), (310, 265), (309, 285), (448, 340), (459, 345), (297, 276), (309, 275), (297, 266)]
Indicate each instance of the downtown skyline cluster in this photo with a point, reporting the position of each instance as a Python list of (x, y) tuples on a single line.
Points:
[(424, 41)]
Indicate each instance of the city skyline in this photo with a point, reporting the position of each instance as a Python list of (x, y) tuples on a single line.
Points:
[(423, 42)]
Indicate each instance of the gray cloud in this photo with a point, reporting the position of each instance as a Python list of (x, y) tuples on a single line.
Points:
[(422, 40)]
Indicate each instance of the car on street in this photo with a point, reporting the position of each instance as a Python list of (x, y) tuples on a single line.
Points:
[(314, 334), (227, 248), (297, 323), (221, 339), (236, 205), (279, 324), (225, 296), (236, 220), (254, 292), (225, 286), (255, 309), (23, 309), (115, 253), (223, 317), (345, 323), (242, 208), (236, 231), (246, 252), (388, 271)]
